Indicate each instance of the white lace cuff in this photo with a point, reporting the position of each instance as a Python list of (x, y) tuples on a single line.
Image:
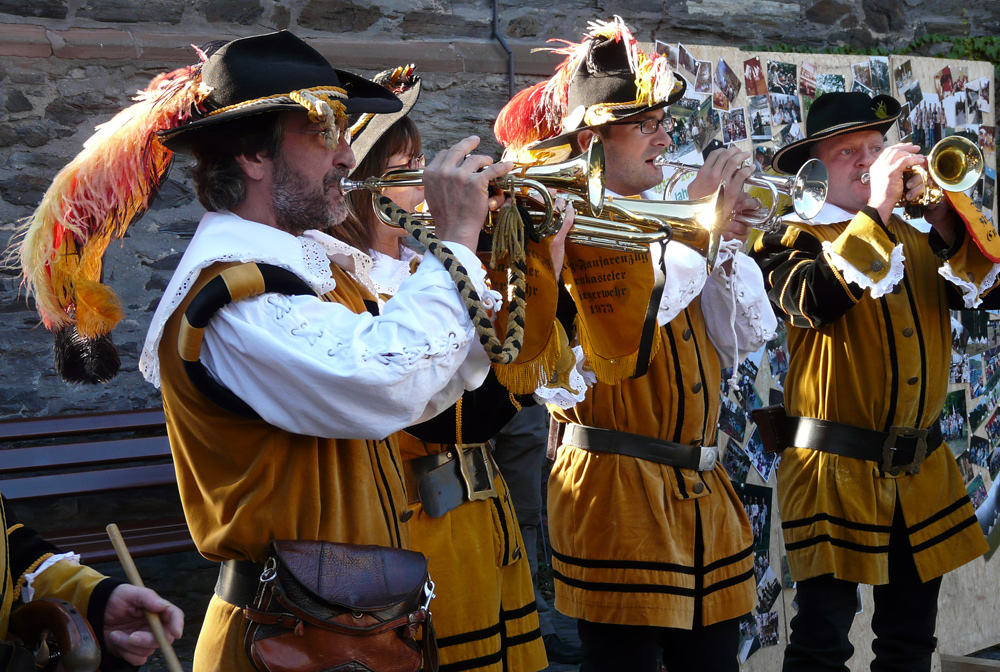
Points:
[(28, 592), (854, 276), (580, 378), (970, 292)]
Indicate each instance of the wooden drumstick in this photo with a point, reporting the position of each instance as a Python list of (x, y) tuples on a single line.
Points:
[(155, 626)]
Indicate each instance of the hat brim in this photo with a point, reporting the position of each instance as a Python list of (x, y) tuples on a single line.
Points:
[(790, 158), (565, 137), (376, 126), (363, 95)]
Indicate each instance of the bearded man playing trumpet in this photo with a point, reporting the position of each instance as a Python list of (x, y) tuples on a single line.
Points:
[(652, 549), (867, 490)]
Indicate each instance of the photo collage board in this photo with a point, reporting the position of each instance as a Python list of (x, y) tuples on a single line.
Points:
[(759, 101)]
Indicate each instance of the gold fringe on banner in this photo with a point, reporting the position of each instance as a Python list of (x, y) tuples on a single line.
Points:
[(611, 371)]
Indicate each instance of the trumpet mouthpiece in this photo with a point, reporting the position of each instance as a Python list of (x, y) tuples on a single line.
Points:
[(347, 185), (866, 178)]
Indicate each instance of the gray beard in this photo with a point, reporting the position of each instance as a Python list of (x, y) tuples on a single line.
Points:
[(297, 208)]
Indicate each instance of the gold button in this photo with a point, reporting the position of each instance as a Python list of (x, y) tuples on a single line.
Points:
[(876, 266), (698, 488), (697, 387), (913, 380), (908, 331), (687, 334)]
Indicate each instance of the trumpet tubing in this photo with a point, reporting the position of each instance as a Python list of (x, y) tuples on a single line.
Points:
[(582, 176), (807, 189)]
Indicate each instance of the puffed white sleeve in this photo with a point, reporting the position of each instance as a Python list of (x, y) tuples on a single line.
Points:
[(738, 314), (317, 368), (686, 274)]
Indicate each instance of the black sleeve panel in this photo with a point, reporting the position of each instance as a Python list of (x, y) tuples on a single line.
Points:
[(485, 411), (804, 289)]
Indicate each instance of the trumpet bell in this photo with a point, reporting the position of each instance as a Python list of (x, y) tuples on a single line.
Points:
[(694, 223), (955, 163), (809, 189)]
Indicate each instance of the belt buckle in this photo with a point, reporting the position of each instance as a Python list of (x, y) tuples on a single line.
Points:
[(463, 467), (919, 453)]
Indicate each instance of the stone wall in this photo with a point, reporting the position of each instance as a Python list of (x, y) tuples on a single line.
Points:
[(66, 65)]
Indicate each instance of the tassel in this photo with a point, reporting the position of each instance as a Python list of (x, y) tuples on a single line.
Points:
[(508, 236)]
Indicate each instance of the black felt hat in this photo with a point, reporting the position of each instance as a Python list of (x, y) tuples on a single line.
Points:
[(604, 78), (368, 128), (836, 114), (271, 73)]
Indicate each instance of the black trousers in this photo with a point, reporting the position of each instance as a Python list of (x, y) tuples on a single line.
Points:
[(903, 621), (640, 648)]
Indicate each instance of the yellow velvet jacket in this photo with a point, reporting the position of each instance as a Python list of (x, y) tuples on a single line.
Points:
[(872, 363), (244, 482), (637, 542)]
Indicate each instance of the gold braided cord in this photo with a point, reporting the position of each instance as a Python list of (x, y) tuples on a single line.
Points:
[(604, 112), (22, 581), (361, 123), (504, 353), (331, 91)]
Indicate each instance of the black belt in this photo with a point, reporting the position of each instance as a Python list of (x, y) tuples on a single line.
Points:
[(898, 450), (443, 481), (238, 581), (599, 440)]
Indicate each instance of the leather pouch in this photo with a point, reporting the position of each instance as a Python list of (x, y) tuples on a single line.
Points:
[(327, 606), (769, 420)]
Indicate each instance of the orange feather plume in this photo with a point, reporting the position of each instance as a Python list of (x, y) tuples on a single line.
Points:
[(94, 199)]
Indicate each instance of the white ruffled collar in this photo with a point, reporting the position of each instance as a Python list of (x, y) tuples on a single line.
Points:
[(225, 237)]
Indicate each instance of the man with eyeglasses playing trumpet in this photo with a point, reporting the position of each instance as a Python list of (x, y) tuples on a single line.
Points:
[(652, 548), (868, 492)]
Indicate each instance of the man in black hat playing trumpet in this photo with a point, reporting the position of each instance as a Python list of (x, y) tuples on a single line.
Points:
[(279, 385), (867, 490), (652, 548)]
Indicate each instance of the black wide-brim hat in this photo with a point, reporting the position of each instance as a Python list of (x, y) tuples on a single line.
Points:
[(264, 73), (368, 128), (835, 114)]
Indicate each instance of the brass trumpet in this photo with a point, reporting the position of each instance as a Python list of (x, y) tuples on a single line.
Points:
[(953, 164), (582, 176), (807, 189), (696, 223)]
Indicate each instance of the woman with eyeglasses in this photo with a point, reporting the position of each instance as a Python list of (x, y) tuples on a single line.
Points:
[(397, 148), (460, 513)]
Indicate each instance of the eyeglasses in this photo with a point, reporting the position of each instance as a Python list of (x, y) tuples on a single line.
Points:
[(416, 163), (649, 125), (324, 133)]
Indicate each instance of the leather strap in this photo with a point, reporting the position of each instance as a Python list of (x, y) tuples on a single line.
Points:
[(701, 458), (441, 482), (238, 582), (650, 323), (900, 449)]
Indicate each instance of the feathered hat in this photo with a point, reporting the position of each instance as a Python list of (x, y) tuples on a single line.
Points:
[(368, 128), (606, 77), (109, 185)]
